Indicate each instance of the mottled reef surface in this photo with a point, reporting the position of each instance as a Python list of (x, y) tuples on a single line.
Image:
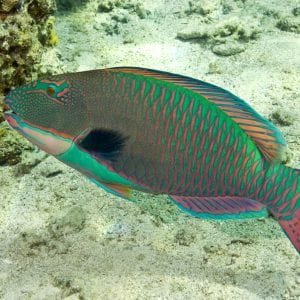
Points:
[(61, 237)]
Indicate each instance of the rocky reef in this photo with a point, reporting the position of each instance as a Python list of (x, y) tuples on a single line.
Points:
[(26, 34), (228, 27), (70, 4), (11, 147)]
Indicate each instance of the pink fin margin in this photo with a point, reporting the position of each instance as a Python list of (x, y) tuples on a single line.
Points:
[(222, 207)]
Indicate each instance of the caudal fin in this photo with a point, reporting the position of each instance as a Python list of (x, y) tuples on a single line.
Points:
[(292, 229), (282, 197)]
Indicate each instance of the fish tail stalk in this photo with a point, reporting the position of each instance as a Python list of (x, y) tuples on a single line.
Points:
[(281, 194)]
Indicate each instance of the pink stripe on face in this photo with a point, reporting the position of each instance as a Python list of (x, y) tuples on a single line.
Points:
[(45, 141)]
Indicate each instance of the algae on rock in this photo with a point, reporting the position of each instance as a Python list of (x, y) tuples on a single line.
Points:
[(225, 38), (70, 4), (11, 146), (26, 30), (289, 23)]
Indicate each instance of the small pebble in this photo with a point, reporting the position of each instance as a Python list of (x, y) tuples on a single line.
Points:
[(228, 49)]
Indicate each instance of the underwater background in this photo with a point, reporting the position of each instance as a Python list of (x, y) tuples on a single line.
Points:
[(61, 237)]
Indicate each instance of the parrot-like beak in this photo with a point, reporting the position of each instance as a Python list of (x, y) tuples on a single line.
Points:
[(6, 108)]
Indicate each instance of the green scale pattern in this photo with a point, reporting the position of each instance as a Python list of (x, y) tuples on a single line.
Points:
[(184, 144)]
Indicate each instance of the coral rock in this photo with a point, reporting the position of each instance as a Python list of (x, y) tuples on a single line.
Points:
[(26, 32), (8, 5)]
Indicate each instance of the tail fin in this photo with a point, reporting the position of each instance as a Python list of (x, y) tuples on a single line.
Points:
[(281, 194)]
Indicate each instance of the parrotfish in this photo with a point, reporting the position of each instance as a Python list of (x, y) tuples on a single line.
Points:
[(130, 128)]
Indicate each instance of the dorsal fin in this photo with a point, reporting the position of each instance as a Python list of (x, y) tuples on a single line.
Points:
[(266, 136)]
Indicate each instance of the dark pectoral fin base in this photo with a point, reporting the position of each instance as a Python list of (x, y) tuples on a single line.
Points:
[(103, 143)]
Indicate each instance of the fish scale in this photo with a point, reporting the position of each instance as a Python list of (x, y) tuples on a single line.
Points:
[(132, 128), (159, 104)]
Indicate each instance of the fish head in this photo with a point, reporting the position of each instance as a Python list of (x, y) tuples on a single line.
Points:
[(50, 113)]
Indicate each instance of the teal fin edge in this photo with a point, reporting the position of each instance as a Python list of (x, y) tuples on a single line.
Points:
[(111, 191)]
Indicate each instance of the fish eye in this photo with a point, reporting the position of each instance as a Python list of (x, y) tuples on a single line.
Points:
[(50, 91)]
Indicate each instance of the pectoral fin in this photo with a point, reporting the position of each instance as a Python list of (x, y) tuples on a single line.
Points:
[(102, 143)]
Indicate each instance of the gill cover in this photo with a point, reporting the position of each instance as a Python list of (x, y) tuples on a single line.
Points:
[(56, 105)]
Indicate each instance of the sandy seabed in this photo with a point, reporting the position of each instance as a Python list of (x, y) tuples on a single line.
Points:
[(61, 237)]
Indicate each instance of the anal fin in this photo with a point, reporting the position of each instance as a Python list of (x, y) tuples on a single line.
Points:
[(222, 207)]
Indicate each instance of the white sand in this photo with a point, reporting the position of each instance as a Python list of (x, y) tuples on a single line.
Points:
[(61, 237)]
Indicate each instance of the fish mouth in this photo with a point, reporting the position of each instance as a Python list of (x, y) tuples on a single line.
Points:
[(6, 108), (13, 120), (8, 112)]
